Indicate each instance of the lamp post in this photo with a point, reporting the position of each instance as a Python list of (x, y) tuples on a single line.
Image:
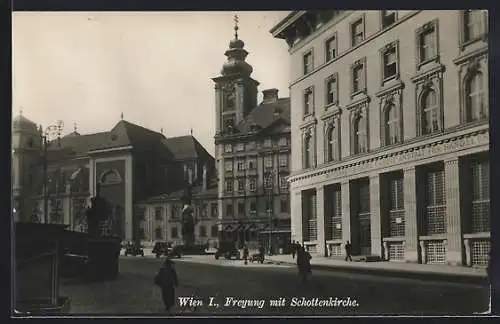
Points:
[(270, 182), (51, 131)]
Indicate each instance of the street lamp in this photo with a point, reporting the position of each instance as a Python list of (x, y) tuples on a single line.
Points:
[(270, 183), (51, 131)]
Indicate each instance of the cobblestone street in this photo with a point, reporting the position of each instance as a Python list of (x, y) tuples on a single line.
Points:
[(204, 277)]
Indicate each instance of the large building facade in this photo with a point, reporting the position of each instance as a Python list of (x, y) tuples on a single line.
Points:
[(391, 149), (129, 162), (252, 152)]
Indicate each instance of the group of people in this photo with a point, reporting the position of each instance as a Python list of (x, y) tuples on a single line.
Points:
[(303, 259)]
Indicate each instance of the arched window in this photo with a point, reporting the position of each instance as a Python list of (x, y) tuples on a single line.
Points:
[(360, 135), (110, 177), (391, 125), (475, 105), (307, 151), (430, 113), (331, 143)]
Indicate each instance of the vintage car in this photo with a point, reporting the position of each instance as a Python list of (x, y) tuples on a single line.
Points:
[(175, 252), (134, 250), (161, 249), (228, 250)]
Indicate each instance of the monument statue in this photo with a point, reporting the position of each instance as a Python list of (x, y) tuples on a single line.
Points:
[(97, 213), (187, 217)]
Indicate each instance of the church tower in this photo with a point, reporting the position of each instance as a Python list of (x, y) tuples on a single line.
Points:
[(235, 90), (26, 146)]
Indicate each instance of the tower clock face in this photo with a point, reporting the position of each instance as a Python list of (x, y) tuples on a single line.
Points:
[(229, 102)]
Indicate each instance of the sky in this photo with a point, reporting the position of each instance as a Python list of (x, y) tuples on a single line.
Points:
[(154, 67)]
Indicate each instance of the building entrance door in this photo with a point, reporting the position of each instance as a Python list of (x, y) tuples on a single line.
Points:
[(365, 240)]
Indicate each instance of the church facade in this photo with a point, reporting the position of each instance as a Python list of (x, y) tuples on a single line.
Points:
[(391, 148), (130, 163)]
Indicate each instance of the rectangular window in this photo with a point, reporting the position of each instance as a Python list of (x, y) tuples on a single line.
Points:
[(214, 231), (241, 208), (284, 206), (252, 164), (158, 213), (396, 206), (358, 78), (251, 145), (427, 43), (331, 90), (390, 62), (268, 143), (228, 121), (203, 231), (253, 207), (174, 233), (228, 166), (283, 141), (310, 215), (357, 32), (240, 147), (480, 171), (142, 233), (333, 208), (175, 211), (241, 165), (435, 220), (283, 161), (214, 210), (474, 25), (308, 62), (253, 184), (331, 48), (241, 185), (268, 181), (229, 210), (229, 185), (388, 17), (228, 148), (308, 101)]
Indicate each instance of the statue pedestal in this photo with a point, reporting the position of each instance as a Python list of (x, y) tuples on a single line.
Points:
[(36, 273), (103, 258)]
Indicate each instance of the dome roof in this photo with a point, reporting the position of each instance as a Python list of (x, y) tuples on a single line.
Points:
[(236, 67), (236, 43), (22, 123)]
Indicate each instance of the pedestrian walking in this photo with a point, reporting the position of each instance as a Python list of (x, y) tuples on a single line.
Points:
[(261, 254), (245, 254), (294, 249), (167, 280), (303, 263), (348, 251)]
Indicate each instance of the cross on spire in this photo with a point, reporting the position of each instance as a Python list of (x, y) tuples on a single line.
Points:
[(236, 26), (75, 128), (121, 116), (21, 111), (191, 131)]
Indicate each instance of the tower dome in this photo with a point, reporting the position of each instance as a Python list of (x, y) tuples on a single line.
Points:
[(236, 55), (21, 123)]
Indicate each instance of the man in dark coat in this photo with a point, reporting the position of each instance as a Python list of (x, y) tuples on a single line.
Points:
[(303, 263), (294, 249), (245, 254), (167, 280), (348, 251)]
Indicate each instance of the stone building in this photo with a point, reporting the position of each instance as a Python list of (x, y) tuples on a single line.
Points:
[(252, 152), (391, 148), (161, 216), (130, 162)]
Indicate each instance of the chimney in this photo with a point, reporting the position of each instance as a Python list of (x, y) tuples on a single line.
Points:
[(205, 184), (270, 95)]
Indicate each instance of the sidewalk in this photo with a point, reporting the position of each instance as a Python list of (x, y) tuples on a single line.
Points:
[(396, 269)]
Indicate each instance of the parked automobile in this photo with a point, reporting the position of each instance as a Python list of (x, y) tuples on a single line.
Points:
[(257, 257), (228, 250), (161, 249), (134, 250), (174, 252)]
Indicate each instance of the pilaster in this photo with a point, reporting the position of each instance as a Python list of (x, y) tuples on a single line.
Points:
[(453, 223), (411, 217), (129, 199), (375, 223), (346, 211), (320, 220), (296, 215)]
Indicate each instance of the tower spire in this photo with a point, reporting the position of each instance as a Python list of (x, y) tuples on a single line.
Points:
[(236, 26)]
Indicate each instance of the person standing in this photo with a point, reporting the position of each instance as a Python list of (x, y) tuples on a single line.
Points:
[(167, 280), (245, 254), (294, 249), (303, 263), (348, 251)]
